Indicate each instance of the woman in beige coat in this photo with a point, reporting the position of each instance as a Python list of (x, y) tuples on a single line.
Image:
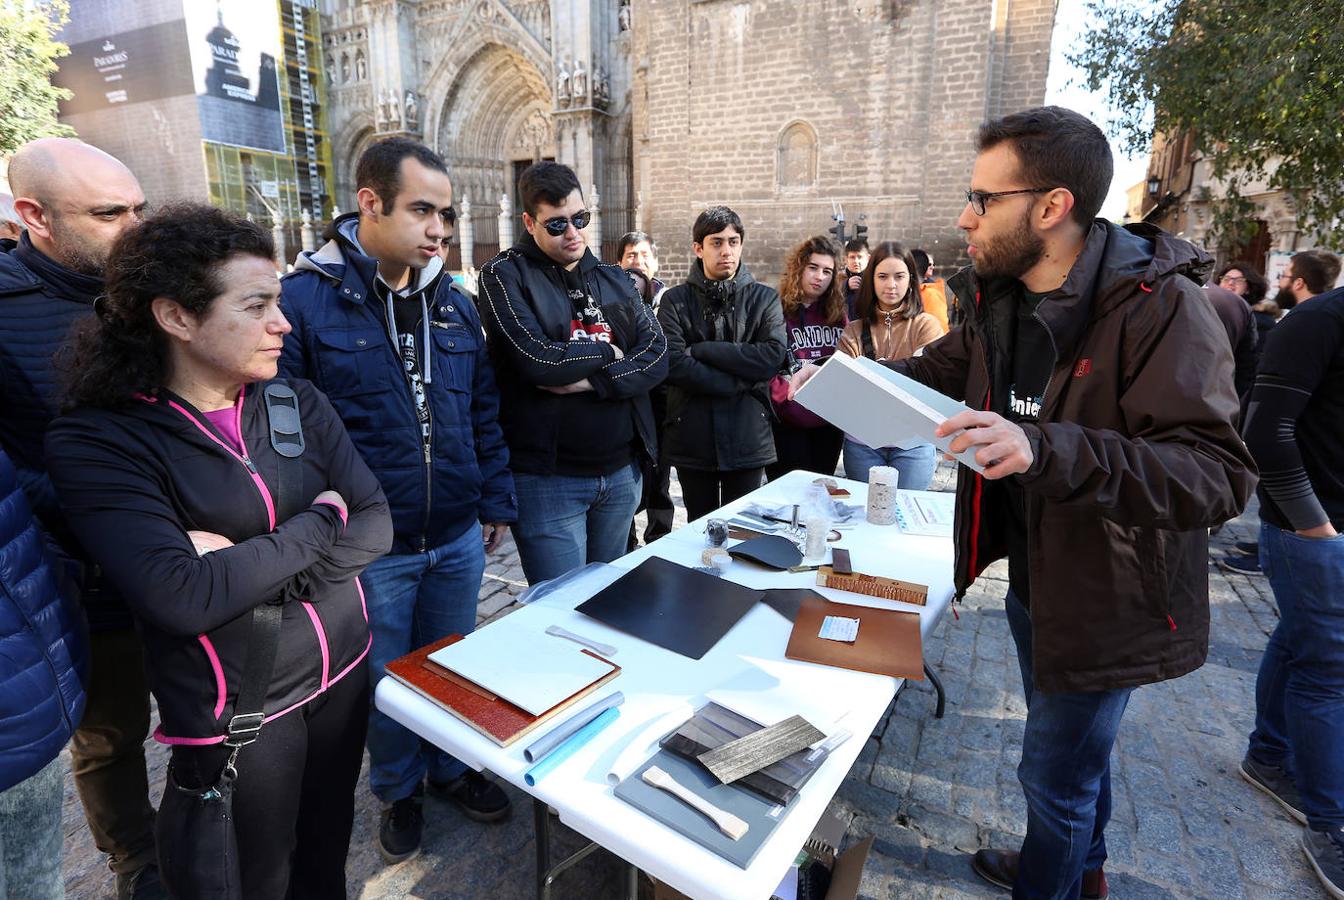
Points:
[(890, 324)]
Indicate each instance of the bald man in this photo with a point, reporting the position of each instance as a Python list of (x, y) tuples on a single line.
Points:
[(73, 201)]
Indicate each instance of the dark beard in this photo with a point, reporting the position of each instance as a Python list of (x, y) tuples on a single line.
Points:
[(76, 255), (1012, 255)]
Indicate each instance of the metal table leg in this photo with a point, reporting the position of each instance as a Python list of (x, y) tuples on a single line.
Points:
[(541, 833), (546, 873), (938, 689)]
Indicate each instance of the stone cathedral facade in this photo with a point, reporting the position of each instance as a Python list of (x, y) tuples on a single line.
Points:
[(780, 108)]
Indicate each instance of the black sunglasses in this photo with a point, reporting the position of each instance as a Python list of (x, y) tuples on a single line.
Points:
[(559, 225)]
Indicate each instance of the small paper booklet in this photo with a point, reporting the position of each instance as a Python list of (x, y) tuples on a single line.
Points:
[(925, 512), (880, 407)]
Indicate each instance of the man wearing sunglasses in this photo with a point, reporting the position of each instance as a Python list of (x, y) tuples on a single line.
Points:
[(1103, 412), (577, 352), (380, 328)]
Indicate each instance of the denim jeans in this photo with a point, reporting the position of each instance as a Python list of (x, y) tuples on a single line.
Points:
[(915, 465), (1299, 693), (30, 835), (415, 599), (567, 521), (1065, 774)]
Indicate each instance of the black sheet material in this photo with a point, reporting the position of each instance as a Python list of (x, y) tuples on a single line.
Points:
[(672, 606), (787, 601), (771, 551)]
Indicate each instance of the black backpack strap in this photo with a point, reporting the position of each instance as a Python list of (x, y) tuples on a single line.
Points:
[(282, 413), (868, 350)]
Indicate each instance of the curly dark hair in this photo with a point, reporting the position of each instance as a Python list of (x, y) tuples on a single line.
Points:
[(791, 282), (866, 305), (176, 253)]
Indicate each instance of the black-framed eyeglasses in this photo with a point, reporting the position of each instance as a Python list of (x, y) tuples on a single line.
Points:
[(978, 199), (559, 225)]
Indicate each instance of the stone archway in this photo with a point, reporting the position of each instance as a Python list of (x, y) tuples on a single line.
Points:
[(491, 112), (495, 112)]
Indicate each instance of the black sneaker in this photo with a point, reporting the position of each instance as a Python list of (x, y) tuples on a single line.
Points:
[(1275, 782), (1240, 565), (142, 884), (401, 828), (478, 797), (1250, 548), (1325, 852)]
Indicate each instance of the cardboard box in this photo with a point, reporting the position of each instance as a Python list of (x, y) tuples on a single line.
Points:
[(846, 875)]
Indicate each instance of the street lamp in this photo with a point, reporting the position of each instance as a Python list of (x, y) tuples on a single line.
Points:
[(1154, 185)]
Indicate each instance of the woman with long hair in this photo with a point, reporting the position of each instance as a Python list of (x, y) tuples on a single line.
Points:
[(891, 325), (231, 510), (813, 297)]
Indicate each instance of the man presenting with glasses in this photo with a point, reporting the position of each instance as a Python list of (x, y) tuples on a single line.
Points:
[(1103, 407), (577, 352)]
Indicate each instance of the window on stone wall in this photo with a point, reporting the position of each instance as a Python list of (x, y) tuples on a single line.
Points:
[(796, 158)]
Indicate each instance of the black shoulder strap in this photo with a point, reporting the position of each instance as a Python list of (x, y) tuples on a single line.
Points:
[(868, 350), (282, 414)]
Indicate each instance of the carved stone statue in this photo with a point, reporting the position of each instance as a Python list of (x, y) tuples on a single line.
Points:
[(361, 67), (345, 68), (393, 110), (579, 83), (412, 111), (331, 70), (623, 17), (562, 83), (601, 87)]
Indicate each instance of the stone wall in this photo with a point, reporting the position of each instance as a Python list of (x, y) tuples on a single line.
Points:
[(778, 108)]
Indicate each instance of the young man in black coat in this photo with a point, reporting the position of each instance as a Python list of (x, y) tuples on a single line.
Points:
[(725, 338), (576, 352)]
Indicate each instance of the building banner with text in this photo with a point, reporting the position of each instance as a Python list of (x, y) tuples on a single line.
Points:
[(235, 52), (131, 67)]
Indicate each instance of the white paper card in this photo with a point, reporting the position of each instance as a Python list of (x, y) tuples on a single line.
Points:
[(839, 628), (526, 667)]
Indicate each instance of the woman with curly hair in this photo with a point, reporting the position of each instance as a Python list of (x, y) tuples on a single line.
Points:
[(812, 294), (891, 325), (231, 510)]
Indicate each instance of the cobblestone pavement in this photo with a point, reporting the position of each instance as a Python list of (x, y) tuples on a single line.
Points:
[(931, 791)]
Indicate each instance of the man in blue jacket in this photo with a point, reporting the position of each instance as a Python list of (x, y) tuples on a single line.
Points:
[(381, 329), (75, 201), (42, 669)]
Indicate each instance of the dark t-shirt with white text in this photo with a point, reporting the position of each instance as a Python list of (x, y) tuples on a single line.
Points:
[(1033, 358)]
